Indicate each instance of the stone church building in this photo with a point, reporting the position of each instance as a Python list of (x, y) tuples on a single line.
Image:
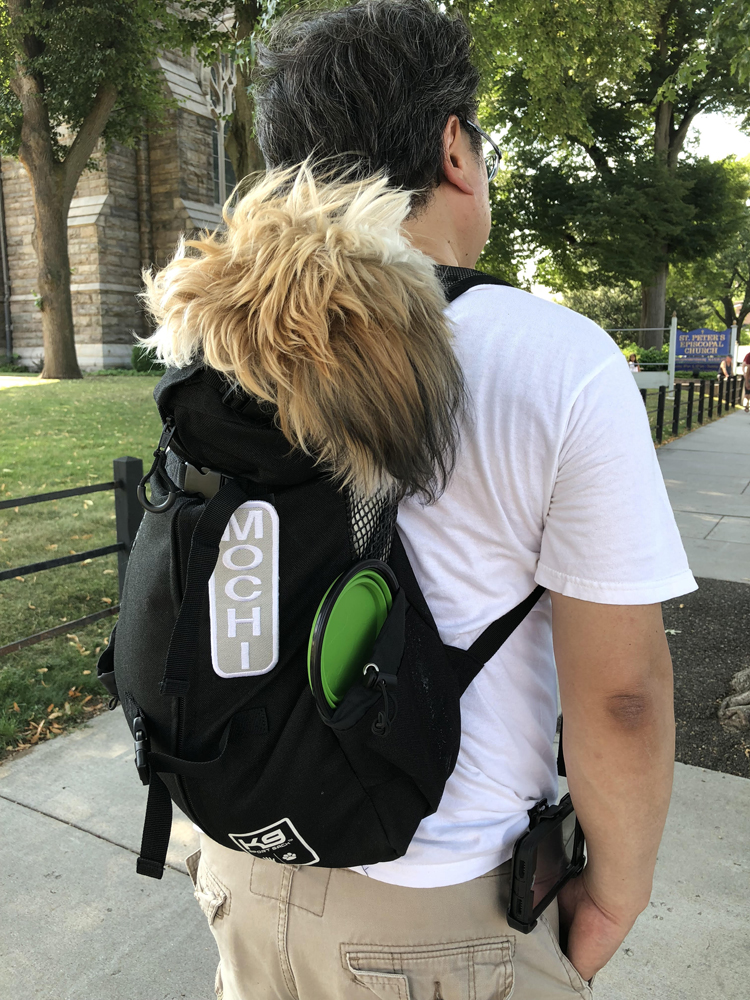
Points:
[(126, 215)]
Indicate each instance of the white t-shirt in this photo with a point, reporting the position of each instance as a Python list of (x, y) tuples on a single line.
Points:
[(556, 484)]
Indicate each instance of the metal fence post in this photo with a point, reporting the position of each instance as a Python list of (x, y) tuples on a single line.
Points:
[(128, 472), (676, 409), (728, 393), (711, 386), (701, 401), (689, 414), (644, 397), (660, 413), (720, 396)]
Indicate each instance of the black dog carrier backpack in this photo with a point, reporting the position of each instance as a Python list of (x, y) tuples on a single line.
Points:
[(280, 724)]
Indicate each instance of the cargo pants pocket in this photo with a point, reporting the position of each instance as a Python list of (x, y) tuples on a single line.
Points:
[(465, 970), (577, 982), (213, 897)]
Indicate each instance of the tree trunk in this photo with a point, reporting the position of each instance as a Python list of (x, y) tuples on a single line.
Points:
[(654, 292), (52, 184), (241, 146), (730, 315), (243, 150), (654, 308), (53, 275)]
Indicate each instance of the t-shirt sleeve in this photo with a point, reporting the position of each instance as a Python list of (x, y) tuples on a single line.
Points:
[(610, 536)]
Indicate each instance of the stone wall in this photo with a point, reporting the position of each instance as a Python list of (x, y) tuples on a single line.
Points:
[(103, 247), (181, 170), (19, 229)]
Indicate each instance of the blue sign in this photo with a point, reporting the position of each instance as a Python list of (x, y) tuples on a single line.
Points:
[(702, 348)]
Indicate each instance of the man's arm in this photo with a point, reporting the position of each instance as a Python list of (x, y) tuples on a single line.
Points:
[(615, 676)]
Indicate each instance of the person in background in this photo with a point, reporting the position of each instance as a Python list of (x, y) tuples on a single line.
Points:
[(746, 390), (633, 363), (726, 368)]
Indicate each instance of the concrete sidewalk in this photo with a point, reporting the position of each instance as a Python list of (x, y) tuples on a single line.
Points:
[(79, 924), (708, 480)]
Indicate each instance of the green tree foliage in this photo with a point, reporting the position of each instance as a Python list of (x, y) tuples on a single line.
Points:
[(724, 277), (72, 72), (596, 101), (616, 224), (617, 308), (74, 49)]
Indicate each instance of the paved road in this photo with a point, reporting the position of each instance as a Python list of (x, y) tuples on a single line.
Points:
[(78, 924)]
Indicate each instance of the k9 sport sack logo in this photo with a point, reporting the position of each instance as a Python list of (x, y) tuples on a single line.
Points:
[(277, 842)]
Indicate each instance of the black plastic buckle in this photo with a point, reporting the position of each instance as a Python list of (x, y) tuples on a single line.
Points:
[(534, 813), (204, 482), (142, 749)]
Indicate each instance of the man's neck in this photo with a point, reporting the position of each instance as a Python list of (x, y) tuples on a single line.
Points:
[(438, 247), (433, 232)]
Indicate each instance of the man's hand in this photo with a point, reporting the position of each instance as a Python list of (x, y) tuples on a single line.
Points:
[(591, 936)]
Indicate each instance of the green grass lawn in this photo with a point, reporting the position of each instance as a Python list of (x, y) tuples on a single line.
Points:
[(54, 436)]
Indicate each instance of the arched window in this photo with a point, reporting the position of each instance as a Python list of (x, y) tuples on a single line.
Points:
[(221, 93)]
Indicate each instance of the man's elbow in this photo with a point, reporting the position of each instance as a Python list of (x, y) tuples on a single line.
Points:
[(634, 712), (630, 712)]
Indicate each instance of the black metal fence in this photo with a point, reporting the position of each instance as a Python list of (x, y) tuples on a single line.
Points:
[(128, 472), (693, 402)]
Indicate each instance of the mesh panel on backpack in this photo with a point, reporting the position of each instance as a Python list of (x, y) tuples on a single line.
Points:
[(372, 521)]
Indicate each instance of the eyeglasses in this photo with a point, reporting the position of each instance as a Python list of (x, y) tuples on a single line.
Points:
[(490, 151)]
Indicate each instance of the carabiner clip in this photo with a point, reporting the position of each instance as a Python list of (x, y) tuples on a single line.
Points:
[(160, 456)]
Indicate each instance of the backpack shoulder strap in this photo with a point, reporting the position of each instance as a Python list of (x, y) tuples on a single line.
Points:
[(457, 280), (487, 644)]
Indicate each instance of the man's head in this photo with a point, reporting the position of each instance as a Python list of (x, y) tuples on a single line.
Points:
[(382, 85)]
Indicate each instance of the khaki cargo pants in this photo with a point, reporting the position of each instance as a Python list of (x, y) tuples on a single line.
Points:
[(296, 933)]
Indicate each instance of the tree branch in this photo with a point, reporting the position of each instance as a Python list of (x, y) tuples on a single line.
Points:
[(595, 153), (36, 134), (744, 309), (677, 139), (716, 312), (83, 145)]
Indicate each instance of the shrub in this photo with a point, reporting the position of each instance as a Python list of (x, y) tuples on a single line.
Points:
[(143, 360), (14, 366), (648, 355)]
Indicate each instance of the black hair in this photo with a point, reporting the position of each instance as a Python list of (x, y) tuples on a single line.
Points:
[(372, 84)]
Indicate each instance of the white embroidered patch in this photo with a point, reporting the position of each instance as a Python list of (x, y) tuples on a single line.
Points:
[(244, 593)]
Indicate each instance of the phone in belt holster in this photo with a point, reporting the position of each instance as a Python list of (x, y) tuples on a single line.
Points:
[(548, 855)]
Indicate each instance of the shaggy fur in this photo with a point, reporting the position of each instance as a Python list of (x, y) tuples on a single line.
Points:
[(314, 301)]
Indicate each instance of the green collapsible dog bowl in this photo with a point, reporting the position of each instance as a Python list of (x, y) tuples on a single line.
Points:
[(345, 627)]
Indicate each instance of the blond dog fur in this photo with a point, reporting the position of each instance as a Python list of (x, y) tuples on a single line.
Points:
[(313, 300)]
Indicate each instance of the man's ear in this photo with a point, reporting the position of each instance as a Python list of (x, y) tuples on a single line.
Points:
[(456, 152)]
